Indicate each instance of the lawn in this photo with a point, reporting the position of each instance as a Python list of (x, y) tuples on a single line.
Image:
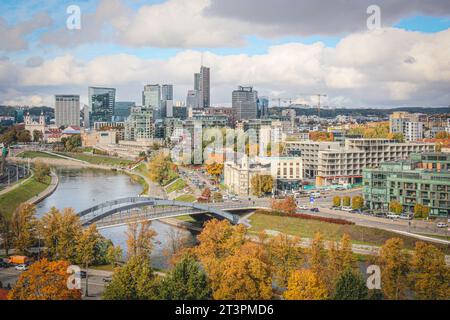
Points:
[(186, 219), (37, 154), (11, 200), (330, 231), (178, 185), (99, 160), (186, 198)]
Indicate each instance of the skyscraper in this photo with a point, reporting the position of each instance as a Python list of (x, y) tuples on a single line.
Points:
[(123, 110), (151, 98), (167, 92), (244, 103), (205, 89), (67, 110), (193, 99), (263, 107), (101, 104)]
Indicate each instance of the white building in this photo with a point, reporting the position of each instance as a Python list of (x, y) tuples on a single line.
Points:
[(67, 110)]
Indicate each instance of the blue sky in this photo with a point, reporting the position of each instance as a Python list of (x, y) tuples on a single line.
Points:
[(230, 38)]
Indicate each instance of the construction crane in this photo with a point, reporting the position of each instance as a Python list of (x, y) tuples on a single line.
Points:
[(319, 96)]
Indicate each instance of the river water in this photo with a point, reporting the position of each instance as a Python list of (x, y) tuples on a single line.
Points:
[(83, 188)]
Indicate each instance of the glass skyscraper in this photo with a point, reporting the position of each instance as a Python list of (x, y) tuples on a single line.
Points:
[(101, 104)]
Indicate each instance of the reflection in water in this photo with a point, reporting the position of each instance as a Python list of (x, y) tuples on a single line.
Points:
[(84, 188)]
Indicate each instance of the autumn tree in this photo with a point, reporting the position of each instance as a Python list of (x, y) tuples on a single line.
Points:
[(186, 281), (394, 269), (41, 172), (215, 169), (140, 239), (217, 197), (395, 207), (346, 201), (305, 284), (86, 249), (114, 254), (177, 243), (340, 258), (350, 286), (337, 201), (285, 255), (430, 275), (421, 211), (246, 275), (44, 280), (60, 232), (132, 281), (218, 241), (161, 169), (357, 203), (23, 227), (261, 184), (6, 233), (286, 206), (318, 256)]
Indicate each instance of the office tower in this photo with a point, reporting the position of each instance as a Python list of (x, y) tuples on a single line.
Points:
[(67, 110), (244, 103), (193, 99), (123, 110), (197, 77), (205, 89), (101, 104), (151, 98), (263, 107), (167, 92)]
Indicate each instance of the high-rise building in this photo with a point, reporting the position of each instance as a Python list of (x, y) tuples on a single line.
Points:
[(151, 98), (167, 92), (205, 88), (244, 103), (123, 110), (139, 125), (263, 107), (193, 99), (408, 124), (67, 110), (101, 104)]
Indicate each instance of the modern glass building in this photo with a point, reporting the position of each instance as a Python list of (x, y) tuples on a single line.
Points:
[(244, 102), (151, 98), (101, 104), (123, 110), (139, 125), (424, 179)]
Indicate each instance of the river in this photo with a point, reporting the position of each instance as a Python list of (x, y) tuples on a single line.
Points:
[(83, 188)]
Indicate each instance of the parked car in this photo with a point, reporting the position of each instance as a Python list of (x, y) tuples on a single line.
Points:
[(303, 207), (406, 217), (4, 264), (107, 279), (83, 274), (21, 267), (442, 225), (392, 216), (314, 210), (348, 209)]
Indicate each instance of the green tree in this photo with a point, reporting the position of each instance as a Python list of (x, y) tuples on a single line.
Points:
[(132, 281), (161, 169), (41, 172), (350, 286), (357, 203), (186, 281), (114, 254), (395, 207), (421, 211), (337, 201), (346, 201)]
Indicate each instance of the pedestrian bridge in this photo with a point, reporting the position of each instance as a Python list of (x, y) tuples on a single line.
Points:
[(125, 210)]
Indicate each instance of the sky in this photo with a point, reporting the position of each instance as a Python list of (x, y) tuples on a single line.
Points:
[(287, 49)]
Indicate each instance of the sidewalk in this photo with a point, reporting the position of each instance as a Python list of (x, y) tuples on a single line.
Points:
[(47, 192)]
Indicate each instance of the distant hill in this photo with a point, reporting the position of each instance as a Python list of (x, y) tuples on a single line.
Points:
[(34, 111)]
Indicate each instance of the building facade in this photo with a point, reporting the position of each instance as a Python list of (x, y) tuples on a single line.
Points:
[(139, 125), (67, 110), (101, 104), (423, 179), (244, 103)]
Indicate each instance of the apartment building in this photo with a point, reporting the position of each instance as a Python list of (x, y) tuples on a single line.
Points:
[(408, 124), (332, 163), (423, 179)]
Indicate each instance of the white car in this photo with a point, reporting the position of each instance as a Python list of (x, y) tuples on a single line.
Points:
[(303, 207), (442, 225), (21, 267), (348, 209)]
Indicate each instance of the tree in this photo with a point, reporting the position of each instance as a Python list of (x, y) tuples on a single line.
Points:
[(206, 195), (41, 172), (44, 280), (394, 269), (442, 135), (337, 201), (217, 197), (286, 206), (304, 284), (114, 254), (395, 207), (285, 255), (318, 256), (321, 136), (430, 276), (421, 211), (139, 239), (162, 169), (215, 169), (246, 275), (6, 233), (37, 135), (186, 281), (218, 241), (132, 281), (350, 286), (357, 203), (346, 201), (261, 184), (61, 232), (23, 226), (87, 247)]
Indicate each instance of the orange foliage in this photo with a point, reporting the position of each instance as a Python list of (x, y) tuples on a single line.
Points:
[(286, 206)]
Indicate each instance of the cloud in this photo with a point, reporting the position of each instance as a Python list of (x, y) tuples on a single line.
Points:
[(386, 68), (13, 37)]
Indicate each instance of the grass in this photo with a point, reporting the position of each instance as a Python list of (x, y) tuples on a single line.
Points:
[(186, 219), (307, 228), (99, 160), (37, 154), (178, 185), (11, 200), (105, 267), (186, 198), (437, 236), (142, 182)]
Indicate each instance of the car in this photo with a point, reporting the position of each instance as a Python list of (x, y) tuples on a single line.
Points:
[(83, 274), (340, 189), (107, 279), (314, 210), (442, 225), (406, 217), (392, 216), (4, 264), (303, 207), (234, 199), (348, 209), (21, 267), (225, 197)]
